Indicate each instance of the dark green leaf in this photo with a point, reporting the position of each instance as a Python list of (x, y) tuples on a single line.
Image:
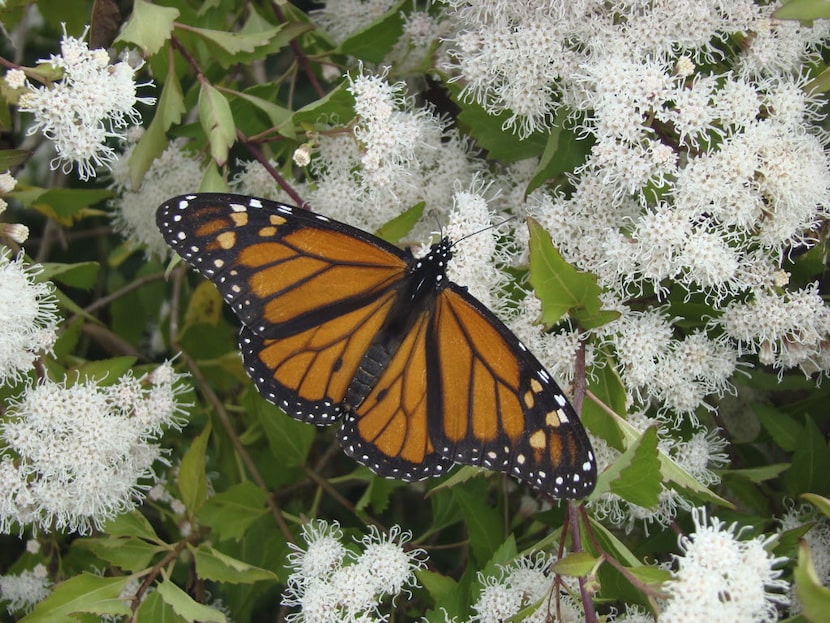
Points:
[(132, 524), (104, 371), (211, 564), (192, 479), (82, 275), (635, 476), (811, 462), (606, 385), (373, 42), (783, 429), (230, 513), (575, 564), (12, 157), (336, 108), (185, 606), (130, 554), (482, 521), (563, 153), (154, 610), (82, 593), (402, 224)]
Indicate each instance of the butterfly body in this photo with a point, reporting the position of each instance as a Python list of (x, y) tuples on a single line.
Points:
[(339, 325)]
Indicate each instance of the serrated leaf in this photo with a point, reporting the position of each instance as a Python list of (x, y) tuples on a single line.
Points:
[(230, 513), (211, 564), (132, 524), (575, 564), (66, 205), (278, 115), (84, 593), (130, 554), (233, 42), (820, 502), (185, 606), (437, 585), (217, 121), (814, 598), (635, 475), (149, 27), (402, 224), (560, 287), (82, 275), (212, 180), (191, 478), (155, 610)]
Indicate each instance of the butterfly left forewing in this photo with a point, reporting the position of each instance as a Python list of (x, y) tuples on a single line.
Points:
[(492, 403)]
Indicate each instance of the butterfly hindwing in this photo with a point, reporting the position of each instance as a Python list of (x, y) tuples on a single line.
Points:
[(497, 406)]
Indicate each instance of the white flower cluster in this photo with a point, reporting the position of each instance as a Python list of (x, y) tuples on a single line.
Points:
[(697, 184), (29, 312), (24, 590), (525, 582), (722, 578), (93, 102), (74, 455), (174, 172), (331, 583)]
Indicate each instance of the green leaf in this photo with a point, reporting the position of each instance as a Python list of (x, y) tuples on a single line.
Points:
[(560, 287), (230, 513), (653, 576), (153, 142), (217, 121), (185, 606), (278, 115), (482, 521), (82, 275), (635, 476), (289, 439), (820, 502), (607, 386), (84, 593), (12, 157), (489, 131), (563, 153), (575, 564), (132, 524), (437, 585), (336, 108), (154, 610), (811, 462), (783, 429), (758, 474), (804, 10), (192, 479), (149, 27), (204, 307), (814, 598), (66, 205), (232, 42), (211, 564), (104, 371), (402, 224), (374, 42), (212, 180), (131, 554)]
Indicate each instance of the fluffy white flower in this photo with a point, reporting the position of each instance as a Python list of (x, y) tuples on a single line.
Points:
[(29, 312), (93, 102), (722, 578), (24, 590)]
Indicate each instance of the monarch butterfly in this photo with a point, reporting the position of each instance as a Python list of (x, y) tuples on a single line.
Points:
[(338, 324)]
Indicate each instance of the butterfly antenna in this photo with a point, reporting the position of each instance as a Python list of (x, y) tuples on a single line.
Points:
[(483, 229)]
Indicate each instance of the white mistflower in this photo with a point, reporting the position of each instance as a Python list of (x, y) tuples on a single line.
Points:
[(722, 578), (75, 456), (93, 102), (25, 590), (29, 312)]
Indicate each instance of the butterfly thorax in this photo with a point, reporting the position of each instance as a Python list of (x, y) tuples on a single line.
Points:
[(426, 276)]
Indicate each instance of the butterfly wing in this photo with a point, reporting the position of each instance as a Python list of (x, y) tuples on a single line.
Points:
[(311, 293), (491, 402)]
